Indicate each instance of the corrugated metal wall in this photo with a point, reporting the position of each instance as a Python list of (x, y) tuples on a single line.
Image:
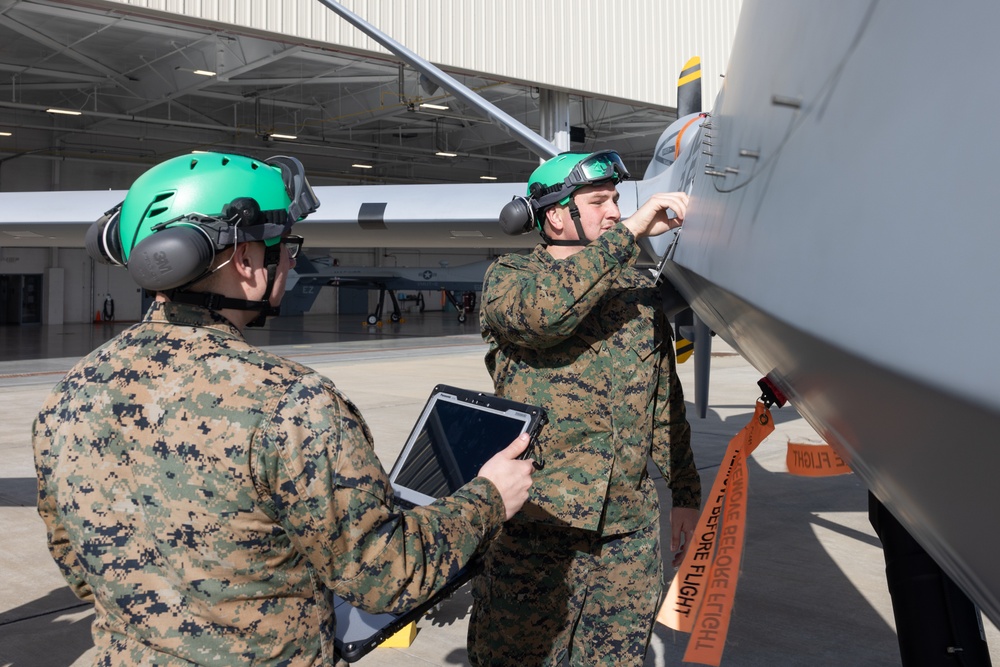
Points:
[(623, 49)]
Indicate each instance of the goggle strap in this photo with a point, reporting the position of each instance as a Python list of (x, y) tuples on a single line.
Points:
[(303, 200), (223, 233)]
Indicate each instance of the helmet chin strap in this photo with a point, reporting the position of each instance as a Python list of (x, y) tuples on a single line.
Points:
[(581, 239), (213, 301)]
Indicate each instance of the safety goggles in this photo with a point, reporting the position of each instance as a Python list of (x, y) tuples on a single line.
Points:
[(598, 167), (304, 200)]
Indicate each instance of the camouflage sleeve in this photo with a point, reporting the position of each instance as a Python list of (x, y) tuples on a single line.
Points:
[(672, 433), (59, 545), (541, 309), (326, 486)]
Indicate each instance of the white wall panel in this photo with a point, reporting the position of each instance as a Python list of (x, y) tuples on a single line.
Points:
[(621, 49)]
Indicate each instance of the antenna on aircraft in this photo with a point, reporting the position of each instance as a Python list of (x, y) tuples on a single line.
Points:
[(508, 123)]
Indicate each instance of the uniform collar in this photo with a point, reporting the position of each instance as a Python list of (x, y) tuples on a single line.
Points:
[(183, 314)]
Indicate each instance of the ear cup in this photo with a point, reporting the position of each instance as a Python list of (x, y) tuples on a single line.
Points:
[(171, 258), (517, 217), (103, 241)]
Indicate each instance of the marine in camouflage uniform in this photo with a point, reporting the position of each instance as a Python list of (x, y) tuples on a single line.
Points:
[(210, 498), (577, 575)]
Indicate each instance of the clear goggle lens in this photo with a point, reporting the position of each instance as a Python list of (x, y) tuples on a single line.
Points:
[(601, 166)]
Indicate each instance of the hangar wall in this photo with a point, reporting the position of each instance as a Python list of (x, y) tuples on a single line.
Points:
[(628, 50)]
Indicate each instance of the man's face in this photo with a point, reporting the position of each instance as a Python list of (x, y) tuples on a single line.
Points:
[(256, 252), (598, 206)]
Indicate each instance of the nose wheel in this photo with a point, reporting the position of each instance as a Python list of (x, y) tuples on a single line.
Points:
[(375, 319), (467, 305)]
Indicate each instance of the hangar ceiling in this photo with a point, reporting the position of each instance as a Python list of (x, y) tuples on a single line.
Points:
[(146, 88)]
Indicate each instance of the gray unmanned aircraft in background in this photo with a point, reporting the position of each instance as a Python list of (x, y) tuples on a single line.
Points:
[(309, 276)]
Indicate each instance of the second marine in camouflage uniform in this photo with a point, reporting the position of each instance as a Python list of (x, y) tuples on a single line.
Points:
[(585, 338)]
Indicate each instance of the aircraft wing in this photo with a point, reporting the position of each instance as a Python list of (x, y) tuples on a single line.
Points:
[(52, 219), (463, 215)]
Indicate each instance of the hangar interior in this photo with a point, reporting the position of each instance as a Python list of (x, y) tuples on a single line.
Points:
[(97, 91)]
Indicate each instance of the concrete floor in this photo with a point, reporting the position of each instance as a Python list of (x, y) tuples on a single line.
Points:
[(811, 590)]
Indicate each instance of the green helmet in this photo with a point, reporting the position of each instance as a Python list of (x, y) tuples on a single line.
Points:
[(180, 213), (201, 186), (555, 180)]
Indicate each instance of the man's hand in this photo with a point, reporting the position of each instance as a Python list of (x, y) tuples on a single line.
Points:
[(652, 218), (682, 523), (511, 476)]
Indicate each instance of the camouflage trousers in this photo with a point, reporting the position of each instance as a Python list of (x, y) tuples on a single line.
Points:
[(552, 596)]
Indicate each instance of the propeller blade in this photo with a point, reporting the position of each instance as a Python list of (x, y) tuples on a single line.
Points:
[(689, 88), (685, 349)]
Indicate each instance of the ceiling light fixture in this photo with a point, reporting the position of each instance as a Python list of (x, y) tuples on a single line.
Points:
[(446, 154), (440, 107), (488, 178), (361, 166), (199, 72), (289, 137), (5, 134), (65, 112)]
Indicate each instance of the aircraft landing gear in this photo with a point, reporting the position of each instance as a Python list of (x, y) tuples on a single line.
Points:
[(375, 319), (467, 306)]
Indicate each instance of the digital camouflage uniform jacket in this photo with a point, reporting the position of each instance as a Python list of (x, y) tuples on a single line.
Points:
[(210, 497), (586, 338)]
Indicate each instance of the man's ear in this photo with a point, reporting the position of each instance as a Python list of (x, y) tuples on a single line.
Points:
[(243, 260), (553, 217)]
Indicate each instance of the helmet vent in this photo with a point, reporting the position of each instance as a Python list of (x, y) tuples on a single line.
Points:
[(225, 161), (155, 210), (194, 163)]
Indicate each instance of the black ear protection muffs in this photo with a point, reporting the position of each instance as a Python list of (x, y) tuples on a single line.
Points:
[(103, 242), (171, 258), (517, 217), (179, 252), (520, 215)]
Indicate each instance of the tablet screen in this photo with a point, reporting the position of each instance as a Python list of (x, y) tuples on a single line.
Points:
[(450, 443)]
